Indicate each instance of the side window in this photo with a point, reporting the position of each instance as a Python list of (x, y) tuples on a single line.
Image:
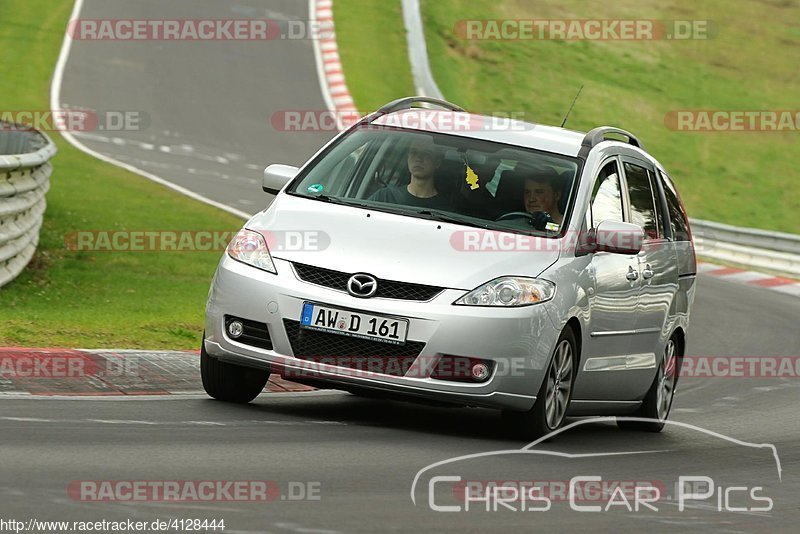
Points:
[(643, 204), (677, 217), (662, 233), (606, 196)]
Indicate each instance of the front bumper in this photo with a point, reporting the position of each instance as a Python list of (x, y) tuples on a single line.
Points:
[(518, 340)]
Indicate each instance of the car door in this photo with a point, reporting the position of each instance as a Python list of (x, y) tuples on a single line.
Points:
[(658, 271), (613, 297)]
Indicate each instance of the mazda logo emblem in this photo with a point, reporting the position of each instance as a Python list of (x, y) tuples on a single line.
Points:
[(362, 285)]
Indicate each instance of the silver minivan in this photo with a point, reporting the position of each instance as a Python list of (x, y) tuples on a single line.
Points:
[(437, 255)]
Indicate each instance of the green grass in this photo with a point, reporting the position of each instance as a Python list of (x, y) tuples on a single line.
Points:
[(156, 300), (372, 45), (747, 179), (96, 299)]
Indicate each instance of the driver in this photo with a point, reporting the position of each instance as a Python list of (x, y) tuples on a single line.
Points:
[(423, 160), (542, 193)]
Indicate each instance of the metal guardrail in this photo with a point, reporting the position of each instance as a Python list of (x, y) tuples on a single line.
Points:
[(751, 237), (763, 250), (24, 180)]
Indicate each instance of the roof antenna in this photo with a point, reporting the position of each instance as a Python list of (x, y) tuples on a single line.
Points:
[(571, 106)]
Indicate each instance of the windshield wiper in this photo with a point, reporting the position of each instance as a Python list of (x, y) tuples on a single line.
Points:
[(452, 218), (449, 218), (328, 198), (331, 200)]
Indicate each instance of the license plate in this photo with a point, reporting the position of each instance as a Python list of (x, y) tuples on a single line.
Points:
[(354, 324)]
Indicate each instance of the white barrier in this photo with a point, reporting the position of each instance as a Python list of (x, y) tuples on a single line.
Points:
[(24, 180)]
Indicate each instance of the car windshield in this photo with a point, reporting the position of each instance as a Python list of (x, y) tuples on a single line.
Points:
[(445, 177)]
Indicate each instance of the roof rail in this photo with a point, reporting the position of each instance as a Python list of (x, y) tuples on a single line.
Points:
[(409, 101), (404, 103), (598, 135)]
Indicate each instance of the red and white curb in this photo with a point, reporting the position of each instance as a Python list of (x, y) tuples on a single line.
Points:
[(329, 64), (59, 372), (787, 286)]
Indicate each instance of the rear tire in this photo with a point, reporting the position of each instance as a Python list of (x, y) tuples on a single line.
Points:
[(228, 382), (555, 394), (658, 400)]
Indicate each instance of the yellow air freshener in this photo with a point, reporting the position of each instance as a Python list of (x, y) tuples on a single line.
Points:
[(472, 178)]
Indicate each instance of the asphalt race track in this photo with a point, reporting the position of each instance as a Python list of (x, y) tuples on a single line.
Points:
[(363, 454), (205, 107), (357, 455)]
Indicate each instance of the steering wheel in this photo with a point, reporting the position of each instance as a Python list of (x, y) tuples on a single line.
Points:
[(537, 219)]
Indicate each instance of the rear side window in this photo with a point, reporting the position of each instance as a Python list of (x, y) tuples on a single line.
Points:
[(643, 204), (606, 196), (677, 217)]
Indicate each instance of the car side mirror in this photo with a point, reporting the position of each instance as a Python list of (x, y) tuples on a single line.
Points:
[(616, 237), (276, 176)]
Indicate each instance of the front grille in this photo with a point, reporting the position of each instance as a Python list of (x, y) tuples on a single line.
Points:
[(255, 334), (351, 352), (387, 289)]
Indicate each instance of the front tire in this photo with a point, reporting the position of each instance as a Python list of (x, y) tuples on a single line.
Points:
[(228, 382), (555, 394), (658, 400)]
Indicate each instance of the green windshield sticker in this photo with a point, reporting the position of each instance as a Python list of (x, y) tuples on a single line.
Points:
[(315, 188)]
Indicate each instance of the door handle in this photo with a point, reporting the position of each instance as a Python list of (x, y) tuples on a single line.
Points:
[(632, 275), (647, 273)]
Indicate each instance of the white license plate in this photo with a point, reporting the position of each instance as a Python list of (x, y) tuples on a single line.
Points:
[(354, 324)]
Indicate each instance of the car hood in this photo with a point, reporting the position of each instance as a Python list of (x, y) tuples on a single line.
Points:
[(397, 247)]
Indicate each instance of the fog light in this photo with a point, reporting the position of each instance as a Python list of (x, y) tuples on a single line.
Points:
[(480, 371), (235, 329)]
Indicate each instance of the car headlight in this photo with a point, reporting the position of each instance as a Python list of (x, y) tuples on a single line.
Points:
[(251, 248), (509, 291)]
